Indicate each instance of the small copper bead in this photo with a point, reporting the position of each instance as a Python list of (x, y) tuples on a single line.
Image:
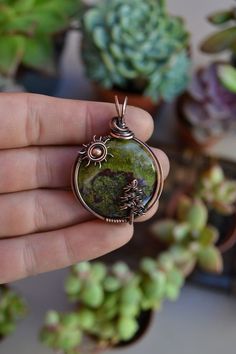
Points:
[(96, 152)]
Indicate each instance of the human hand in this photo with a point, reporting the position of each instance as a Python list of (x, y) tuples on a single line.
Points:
[(42, 225)]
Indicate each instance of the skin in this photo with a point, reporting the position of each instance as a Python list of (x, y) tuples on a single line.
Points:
[(43, 227)]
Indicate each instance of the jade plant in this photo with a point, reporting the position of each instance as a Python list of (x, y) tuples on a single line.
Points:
[(12, 308), (225, 38), (27, 30), (136, 46), (109, 301), (208, 108)]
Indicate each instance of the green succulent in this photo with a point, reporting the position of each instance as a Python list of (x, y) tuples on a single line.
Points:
[(217, 191), (225, 38), (12, 307), (193, 239), (136, 46), (27, 29), (114, 316)]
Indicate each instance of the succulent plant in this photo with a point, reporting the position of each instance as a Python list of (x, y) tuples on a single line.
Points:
[(217, 191), (225, 38), (192, 236), (136, 46), (27, 29), (110, 301), (12, 307), (209, 106)]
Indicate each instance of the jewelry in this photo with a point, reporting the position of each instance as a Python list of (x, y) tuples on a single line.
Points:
[(117, 177)]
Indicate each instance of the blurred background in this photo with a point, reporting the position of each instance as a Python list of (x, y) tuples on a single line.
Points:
[(173, 287)]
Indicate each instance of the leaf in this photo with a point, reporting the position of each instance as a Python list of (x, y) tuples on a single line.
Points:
[(210, 259), (197, 215), (220, 17), (209, 235), (219, 41), (227, 76), (39, 54), (163, 229), (11, 52)]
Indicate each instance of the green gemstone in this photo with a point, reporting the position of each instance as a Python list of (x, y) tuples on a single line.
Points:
[(102, 188)]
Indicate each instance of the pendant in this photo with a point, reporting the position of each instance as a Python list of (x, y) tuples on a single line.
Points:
[(117, 177)]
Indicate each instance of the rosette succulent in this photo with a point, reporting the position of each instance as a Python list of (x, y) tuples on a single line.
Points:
[(27, 29), (110, 301), (209, 106), (12, 307), (136, 46)]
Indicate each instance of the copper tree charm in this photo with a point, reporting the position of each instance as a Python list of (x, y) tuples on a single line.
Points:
[(133, 200)]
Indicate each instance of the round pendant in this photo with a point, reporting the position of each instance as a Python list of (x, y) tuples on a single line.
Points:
[(117, 177)]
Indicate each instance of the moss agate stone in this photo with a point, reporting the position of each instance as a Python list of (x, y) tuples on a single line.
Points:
[(101, 188)]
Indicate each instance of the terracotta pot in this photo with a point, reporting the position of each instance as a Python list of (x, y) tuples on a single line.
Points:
[(135, 99), (228, 241)]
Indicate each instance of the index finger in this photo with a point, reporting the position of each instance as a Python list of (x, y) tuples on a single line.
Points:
[(30, 119)]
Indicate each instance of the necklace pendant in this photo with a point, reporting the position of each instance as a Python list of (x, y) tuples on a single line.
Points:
[(117, 177)]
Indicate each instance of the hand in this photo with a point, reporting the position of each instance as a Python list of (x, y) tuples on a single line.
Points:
[(42, 225)]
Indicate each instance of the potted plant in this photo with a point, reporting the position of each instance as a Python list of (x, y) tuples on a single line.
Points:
[(136, 49), (207, 110), (113, 304), (198, 213), (31, 38), (12, 307)]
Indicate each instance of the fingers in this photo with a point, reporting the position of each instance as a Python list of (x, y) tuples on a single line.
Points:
[(43, 252), (29, 119), (44, 167), (36, 167), (39, 210)]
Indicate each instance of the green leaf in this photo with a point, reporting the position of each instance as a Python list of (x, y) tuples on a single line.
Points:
[(127, 327), (209, 235), (163, 229), (220, 17), (227, 76), (11, 52), (181, 231), (219, 41), (39, 54), (197, 215), (210, 259)]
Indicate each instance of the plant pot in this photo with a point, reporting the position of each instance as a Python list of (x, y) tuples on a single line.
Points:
[(134, 99)]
